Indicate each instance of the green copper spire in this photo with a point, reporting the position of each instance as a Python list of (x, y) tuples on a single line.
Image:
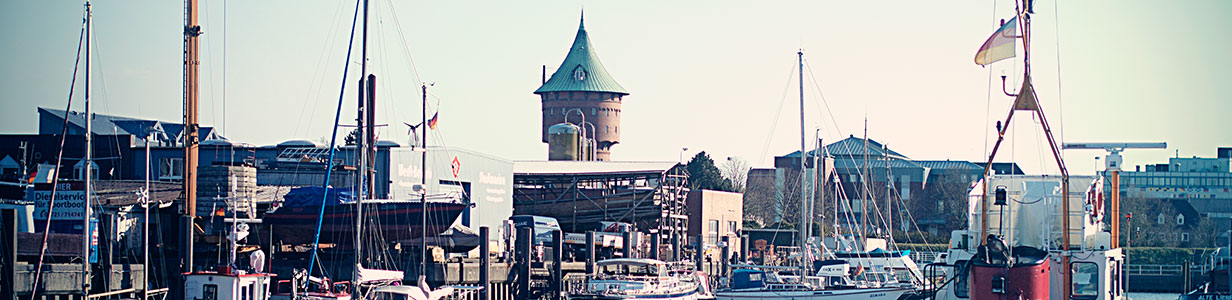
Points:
[(581, 71)]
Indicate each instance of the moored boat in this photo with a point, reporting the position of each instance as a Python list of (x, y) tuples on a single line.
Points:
[(638, 278), (398, 220)]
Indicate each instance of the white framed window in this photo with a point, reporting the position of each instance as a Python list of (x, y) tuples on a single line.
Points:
[(1180, 219), (171, 168), (1184, 236)]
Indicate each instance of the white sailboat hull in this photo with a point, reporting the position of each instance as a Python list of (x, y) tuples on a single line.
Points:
[(837, 294)]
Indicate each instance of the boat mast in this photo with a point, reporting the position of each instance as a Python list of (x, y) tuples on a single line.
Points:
[(864, 178), (192, 31), (423, 183), (803, 231), (362, 153), (885, 150), (86, 234), (1025, 99)]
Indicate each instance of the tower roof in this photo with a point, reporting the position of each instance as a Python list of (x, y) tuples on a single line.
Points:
[(581, 71)]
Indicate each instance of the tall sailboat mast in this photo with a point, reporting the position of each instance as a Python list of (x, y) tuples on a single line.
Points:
[(192, 31), (803, 230), (885, 150), (86, 234), (362, 152), (423, 180)]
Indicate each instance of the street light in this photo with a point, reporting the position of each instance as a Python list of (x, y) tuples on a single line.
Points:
[(149, 130), (682, 150)]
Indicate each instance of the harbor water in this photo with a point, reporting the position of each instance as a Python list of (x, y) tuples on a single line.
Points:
[(1153, 296)]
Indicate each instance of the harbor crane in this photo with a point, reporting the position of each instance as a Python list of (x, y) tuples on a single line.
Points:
[(1112, 165)]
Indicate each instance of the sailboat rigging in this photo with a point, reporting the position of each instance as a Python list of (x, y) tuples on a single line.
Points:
[(831, 282)]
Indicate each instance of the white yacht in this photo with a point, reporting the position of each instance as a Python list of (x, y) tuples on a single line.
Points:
[(640, 278)]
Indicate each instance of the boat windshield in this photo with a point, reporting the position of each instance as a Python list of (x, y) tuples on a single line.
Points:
[(630, 269)]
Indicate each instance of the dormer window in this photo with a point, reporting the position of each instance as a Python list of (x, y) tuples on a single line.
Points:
[(1180, 219), (579, 73)]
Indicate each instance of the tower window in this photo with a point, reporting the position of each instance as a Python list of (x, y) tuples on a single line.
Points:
[(607, 129), (592, 111)]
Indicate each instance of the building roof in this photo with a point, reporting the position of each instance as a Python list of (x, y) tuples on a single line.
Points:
[(117, 125), (949, 165), (854, 147), (876, 164), (569, 167), (581, 71)]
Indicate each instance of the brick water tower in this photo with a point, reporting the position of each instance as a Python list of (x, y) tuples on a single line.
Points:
[(583, 90)]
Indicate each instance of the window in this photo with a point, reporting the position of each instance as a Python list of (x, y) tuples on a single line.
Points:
[(1184, 236), (209, 292), (607, 129), (1085, 280), (1180, 219), (244, 293), (171, 168), (960, 282), (714, 232), (1161, 219), (592, 111), (731, 227)]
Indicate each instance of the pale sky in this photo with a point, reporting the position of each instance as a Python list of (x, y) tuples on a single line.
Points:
[(714, 76)]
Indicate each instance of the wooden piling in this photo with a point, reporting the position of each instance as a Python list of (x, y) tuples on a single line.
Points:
[(744, 248), (558, 274), (485, 264), (590, 253), (676, 246), (697, 254), (8, 270), (654, 246), (627, 239), (525, 240), (724, 259)]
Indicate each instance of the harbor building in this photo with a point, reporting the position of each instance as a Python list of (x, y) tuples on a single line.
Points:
[(1184, 202), (582, 93), (914, 193), (714, 215), (582, 195)]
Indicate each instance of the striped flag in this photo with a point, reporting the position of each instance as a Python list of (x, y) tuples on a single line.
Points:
[(1001, 45), (432, 121)]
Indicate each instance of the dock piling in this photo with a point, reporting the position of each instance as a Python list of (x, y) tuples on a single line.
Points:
[(725, 259), (627, 239), (590, 253), (485, 264), (654, 246), (558, 252), (525, 240), (8, 265)]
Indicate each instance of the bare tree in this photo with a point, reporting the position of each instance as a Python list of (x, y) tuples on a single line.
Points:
[(736, 170)]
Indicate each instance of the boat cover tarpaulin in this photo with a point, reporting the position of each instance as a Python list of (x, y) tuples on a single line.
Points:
[(456, 239), (375, 275), (311, 196)]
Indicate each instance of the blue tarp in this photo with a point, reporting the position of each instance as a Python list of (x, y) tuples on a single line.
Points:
[(311, 196)]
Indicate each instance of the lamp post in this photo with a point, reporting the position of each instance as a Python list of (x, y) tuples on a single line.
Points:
[(682, 150)]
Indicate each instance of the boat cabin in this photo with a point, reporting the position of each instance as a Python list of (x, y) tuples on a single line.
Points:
[(226, 284)]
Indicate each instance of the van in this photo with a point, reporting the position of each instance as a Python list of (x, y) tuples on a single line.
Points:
[(544, 226)]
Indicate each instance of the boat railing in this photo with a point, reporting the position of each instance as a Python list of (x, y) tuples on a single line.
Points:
[(1154, 269), (924, 256)]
